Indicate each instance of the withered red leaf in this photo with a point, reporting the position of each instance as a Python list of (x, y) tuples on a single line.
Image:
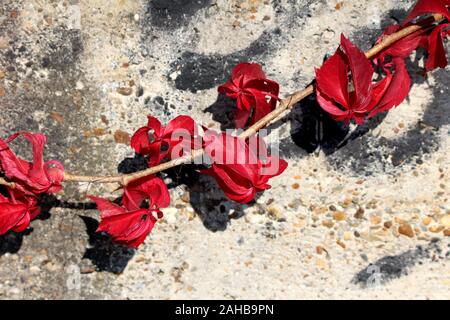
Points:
[(35, 177), (255, 95), (131, 222), (241, 170), (158, 141)]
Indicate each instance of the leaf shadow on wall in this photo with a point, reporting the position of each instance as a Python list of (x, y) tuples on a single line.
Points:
[(210, 204), (101, 251), (393, 267)]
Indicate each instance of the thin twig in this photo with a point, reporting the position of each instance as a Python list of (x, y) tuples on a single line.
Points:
[(283, 106), (3, 182)]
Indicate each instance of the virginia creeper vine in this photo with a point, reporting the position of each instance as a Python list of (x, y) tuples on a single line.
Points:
[(344, 87)]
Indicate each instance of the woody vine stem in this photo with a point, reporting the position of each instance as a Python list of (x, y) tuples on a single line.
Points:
[(284, 105)]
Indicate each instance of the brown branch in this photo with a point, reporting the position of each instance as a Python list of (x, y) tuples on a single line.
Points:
[(5, 183), (284, 105)]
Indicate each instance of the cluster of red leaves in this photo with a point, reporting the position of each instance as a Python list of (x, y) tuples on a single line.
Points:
[(240, 170), (19, 205), (345, 88), (132, 220), (256, 95)]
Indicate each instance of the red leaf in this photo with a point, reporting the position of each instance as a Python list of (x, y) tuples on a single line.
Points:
[(329, 106), (333, 80), (436, 51), (249, 71), (125, 227), (140, 141), (163, 137), (254, 93), (106, 207), (432, 41), (428, 7), (179, 131), (333, 93), (22, 224), (36, 177), (16, 211), (403, 47), (151, 188), (233, 186), (11, 216), (392, 90), (362, 72), (238, 167)]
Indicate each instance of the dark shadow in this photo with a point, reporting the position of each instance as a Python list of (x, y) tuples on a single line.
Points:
[(102, 252), (130, 165), (389, 268), (211, 205), (206, 198), (173, 14), (200, 71), (11, 242), (313, 128), (222, 111)]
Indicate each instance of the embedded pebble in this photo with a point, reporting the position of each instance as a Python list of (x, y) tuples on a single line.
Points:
[(339, 215), (426, 220), (406, 230), (125, 91), (445, 221), (122, 137)]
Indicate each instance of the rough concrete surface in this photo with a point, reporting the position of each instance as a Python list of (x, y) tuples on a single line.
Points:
[(360, 213)]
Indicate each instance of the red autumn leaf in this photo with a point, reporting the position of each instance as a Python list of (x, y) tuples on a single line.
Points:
[(429, 7), (16, 211), (401, 48), (431, 40), (434, 40), (127, 227), (437, 57), (149, 188), (392, 90), (238, 169), (333, 84), (157, 141), (130, 223), (12, 216), (256, 95), (34, 177)]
